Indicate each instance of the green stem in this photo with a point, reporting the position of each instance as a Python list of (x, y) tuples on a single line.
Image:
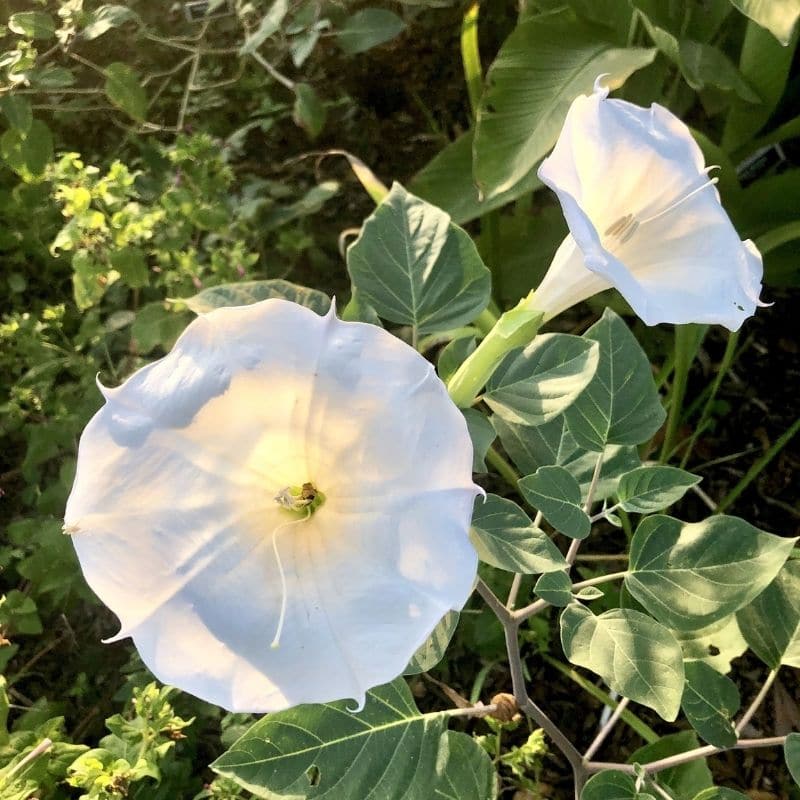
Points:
[(725, 365), (515, 328), (486, 320), (491, 221), (470, 57), (757, 468), (613, 576), (502, 467), (687, 342)]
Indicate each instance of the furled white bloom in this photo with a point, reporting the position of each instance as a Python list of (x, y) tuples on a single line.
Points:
[(278, 510), (645, 218)]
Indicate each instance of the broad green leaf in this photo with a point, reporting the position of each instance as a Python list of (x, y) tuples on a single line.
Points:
[(689, 575), (359, 310), (771, 623), (387, 750), (242, 294), (552, 444), (310, 203), (555, 587), (33, 24), (777, 16), (309, 112), (469, 773), (131, 264), (720, 793), (612, 15), (704, 65), (270, 24), (482, 434), (433, 649), (554, 492), (367, 29), (505, 537), (649, 489), (620, 405), (761, 207), (156, 326), (631, 652), (709, 701), (446, 181), (544, 64), (791, 752), (453, 355), (716, 645), (685, 781), (533, 385), (701, 63), (104, 18), (124, 89), (610, 785), (522, 248), (17, 111), (765, 64), (52, 77), (680, 20), (416, 268), (28, 154)]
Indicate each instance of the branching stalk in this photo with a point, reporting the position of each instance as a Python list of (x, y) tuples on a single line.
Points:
[(602, 734), (684, 758), (757, 701)]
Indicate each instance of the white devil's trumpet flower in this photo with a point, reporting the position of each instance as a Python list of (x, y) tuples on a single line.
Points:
[(645, 218), (278, 510)]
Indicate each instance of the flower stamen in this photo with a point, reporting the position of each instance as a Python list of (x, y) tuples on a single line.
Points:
[(276, 641), (681, 200), (623, 228)]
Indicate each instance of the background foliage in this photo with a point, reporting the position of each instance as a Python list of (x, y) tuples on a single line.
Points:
[(159, 160)]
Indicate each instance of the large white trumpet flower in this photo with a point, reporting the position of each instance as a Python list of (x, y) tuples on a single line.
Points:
[(278, 510), (645, 218)]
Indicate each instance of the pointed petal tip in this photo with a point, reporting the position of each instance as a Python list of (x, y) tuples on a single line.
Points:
[(117, 637), (106, 391), (360, 703), (600, 88)]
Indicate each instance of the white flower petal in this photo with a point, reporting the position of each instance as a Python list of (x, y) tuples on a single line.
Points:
[(173, 510), (646, 218)]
